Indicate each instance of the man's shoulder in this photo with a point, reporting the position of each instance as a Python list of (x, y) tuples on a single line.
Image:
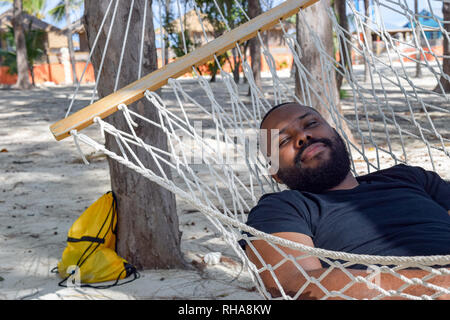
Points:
[(284, 195), (287, 202), (397, 168), (398, 172)]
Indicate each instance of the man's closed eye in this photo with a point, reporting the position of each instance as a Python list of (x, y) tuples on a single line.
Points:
[(284, 141)]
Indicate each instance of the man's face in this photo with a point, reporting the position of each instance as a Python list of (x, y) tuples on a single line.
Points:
[(312, 156)]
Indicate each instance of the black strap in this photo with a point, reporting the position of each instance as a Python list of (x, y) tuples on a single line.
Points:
[(129, 269), (86, 238)]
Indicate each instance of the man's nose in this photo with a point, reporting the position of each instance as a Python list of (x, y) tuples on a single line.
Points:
[(302, 137)]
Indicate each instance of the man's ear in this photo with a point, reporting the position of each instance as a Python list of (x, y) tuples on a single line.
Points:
[(278, 180)]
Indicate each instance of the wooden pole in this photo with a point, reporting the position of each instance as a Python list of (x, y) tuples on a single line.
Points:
[(155, 80)]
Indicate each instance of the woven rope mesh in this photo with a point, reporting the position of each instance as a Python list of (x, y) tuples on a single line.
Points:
[(212, 132)]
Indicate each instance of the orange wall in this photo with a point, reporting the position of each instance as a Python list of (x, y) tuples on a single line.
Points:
[(437, 50), (282, 60), (5, 77), (53, 72)]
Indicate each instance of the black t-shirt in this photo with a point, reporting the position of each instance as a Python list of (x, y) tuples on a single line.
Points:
[(400, 211)]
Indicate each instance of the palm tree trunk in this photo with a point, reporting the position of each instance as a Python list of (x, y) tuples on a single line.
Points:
[(367, 39), (23, 81), (323, 83), (148, 231), (70, 41), (419, 43), (166, 45), (254, 9), (236, 65), (33, 82), (47, 58), (446, 61), (344, 54)]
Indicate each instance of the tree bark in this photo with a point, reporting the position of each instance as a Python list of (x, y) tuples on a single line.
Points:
[(254, 9), (70, 41), (148, 231), (47, 58), (419, 42), (236, 65), (367, 39), (166, 45), (325, 83), (23, 81), (344, 53), (446, 61)]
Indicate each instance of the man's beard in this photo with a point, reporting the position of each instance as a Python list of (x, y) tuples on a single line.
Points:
[(325, 176)]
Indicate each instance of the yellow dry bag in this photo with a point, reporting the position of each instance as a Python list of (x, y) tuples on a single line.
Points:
[(90, 255)]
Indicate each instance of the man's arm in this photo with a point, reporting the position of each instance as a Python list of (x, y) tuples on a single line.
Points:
[(291, 278), (435, 186)]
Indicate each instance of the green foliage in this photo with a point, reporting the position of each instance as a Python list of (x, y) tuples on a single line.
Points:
[(234, 17), (8, 57), (35, 44), (32, 7), (230, 11), (343, 94), (292, 19), (178, 46), (59, 11), (174, 39), (34, 40), (9, 60), (283, 64)]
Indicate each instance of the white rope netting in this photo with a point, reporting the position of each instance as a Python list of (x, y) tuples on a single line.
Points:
[(212, 134)]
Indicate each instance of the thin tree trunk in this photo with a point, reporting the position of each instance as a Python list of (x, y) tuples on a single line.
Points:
[(254, 9), (23, 81), (321, 81), (213, 77), (166, 45), (33, 82), (148, 230), (367, 40), (70, 41), (446, 61), (47, 58), (419, 42), (344, 52), (30, 65), (236, 65)]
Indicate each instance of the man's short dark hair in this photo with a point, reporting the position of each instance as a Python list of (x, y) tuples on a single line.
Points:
[(280, 105)]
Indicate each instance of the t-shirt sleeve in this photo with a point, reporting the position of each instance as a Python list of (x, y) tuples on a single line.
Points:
[(279, 212), (434, 185)]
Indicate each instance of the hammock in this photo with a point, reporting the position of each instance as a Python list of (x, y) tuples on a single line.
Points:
[(215, 163)]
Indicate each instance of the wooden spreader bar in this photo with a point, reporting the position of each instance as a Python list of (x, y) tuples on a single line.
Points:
[(158, 78)]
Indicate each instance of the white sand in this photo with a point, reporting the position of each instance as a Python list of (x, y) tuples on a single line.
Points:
[(45, 187)]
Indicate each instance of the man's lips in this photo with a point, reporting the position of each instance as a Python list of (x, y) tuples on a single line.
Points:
[(312, 150)]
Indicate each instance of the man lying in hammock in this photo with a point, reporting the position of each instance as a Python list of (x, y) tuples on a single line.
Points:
[(400, 211)]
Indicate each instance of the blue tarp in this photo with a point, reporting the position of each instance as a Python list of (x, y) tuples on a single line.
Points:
[(428, 22)]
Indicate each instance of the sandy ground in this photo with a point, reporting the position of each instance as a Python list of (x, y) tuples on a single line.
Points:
[(44, 187)]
